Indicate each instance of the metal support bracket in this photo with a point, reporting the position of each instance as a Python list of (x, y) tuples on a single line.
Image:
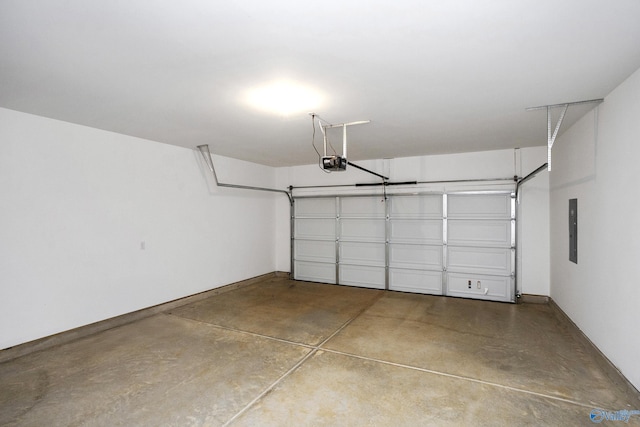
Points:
[(344, 133), (338, 162), (551, 136)]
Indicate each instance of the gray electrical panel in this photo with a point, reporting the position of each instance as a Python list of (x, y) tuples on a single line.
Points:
[(573, 230)]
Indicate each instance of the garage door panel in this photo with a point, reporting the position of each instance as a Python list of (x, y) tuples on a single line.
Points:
[(415, 257), (315, 272), (315, 228), (424, 282), (479, 206), (363, 276), (416, 231), (478, 286), (427, 206), (315, 250), (362, 207), (312, 207), (494, 233), (362, 230), (362, 253), (494, 261)]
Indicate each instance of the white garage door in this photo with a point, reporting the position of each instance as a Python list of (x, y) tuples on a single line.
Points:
[(460, 244)]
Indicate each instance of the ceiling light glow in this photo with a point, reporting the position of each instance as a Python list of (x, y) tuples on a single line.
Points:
[(284, 97)]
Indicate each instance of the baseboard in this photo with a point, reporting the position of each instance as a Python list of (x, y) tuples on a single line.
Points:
[(533, 299), (283, 274), (103, 325), (603, 361)]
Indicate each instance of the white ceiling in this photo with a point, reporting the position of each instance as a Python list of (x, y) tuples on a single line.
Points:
[(433, 76)]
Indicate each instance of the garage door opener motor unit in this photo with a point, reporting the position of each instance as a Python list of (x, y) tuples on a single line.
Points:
[(336, 162)]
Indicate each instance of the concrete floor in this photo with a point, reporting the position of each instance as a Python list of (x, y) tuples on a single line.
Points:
[(287, 353)]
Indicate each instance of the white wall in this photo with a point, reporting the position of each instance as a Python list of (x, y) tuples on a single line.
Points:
[(77, 202), (596, 161), (533, 274)]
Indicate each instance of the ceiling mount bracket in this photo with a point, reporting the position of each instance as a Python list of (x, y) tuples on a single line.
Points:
[(551, 136), (344, 134), (336, 162)]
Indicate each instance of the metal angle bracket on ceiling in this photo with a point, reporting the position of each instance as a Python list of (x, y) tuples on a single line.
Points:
[(551, 136), (344, 133)]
